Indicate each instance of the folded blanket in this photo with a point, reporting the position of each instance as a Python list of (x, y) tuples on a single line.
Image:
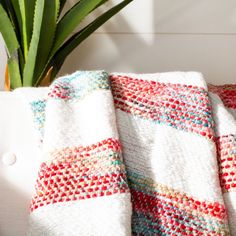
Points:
[(178, 157), (224, 113), (82, 186), (167, 133)]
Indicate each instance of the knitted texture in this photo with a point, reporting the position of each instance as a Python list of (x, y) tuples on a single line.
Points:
[(224, 106), (175, 154), (82, 186), (167, 136)]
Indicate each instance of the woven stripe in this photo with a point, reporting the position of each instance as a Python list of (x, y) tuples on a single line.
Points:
[(227, 94), (38, 108), (68, 88), (180, 106), (81, 173), (164, 211), (226, 149)]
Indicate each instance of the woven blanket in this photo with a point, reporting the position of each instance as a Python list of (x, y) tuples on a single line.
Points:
[(134, 154)]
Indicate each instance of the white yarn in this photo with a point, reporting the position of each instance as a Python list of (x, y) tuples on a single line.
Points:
[(174, 168), (83, 122), (181, 160), (226, 125), (104, 216)]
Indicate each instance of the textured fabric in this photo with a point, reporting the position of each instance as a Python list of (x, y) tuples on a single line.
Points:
[(82, 185), (163, 138), (167, 133), (224, 112)]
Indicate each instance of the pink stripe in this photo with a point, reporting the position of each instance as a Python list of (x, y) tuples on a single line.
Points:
[(79, 173), (226, 92), (226, 149), (183, 107)]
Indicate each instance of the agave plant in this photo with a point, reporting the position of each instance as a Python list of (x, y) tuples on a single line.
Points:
[(38, 37)]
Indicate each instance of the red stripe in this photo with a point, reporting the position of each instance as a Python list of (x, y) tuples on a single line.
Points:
[(68, 188), (180, 220), (227, 93), (180, 106), (80, 173), (140, 199), (70, 153), (226, 150)]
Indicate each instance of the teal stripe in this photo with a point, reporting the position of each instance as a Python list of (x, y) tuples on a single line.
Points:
[(134, 181), (141, 224), (80, 84)]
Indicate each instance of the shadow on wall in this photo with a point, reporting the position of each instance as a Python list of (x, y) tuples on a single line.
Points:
[(80, 58), (126, 51), (190, 35)]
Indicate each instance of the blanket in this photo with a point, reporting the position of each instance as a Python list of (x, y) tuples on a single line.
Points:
[(134, 154)]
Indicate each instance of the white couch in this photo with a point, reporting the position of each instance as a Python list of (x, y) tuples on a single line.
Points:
[(17, 177)]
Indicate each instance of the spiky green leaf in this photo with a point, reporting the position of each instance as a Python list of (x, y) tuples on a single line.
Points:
[(10, 11), (8, 33), (14, 71), (12, 45), (13, 8), (34, 44), (27, 19), (72, 19), (3, 4), (47, 34), (16, 7), (79, 37)]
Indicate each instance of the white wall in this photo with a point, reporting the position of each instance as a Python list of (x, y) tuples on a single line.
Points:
[(163, 35)]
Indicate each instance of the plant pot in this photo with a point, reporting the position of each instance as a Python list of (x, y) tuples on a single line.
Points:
[(16, 179), (45, 81), (7, 86)]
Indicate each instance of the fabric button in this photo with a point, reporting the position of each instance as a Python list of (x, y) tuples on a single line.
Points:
[(9, 159)]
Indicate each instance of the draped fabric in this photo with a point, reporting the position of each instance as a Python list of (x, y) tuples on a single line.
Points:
[(134, 154)]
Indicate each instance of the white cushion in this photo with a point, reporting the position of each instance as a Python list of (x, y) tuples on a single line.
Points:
[(17, 174)]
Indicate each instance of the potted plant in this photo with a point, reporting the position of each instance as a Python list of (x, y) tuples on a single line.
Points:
[(38, 37)]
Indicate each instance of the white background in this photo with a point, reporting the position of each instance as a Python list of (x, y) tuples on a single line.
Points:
[(162, 35)]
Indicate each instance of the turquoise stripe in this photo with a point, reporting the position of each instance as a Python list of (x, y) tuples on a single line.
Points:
[(38, 108), (134, 181), (141, 224), (166, 117), (80, 84), (74, 86)]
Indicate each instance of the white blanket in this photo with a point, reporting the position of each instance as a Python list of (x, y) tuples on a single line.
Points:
[(160, 138)]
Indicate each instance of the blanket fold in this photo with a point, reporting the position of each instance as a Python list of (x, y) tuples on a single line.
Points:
[(82, 186), (134, 154)]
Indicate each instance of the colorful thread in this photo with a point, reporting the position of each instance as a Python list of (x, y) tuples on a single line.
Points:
[(80, 173), (226, 149), (183, 107), (160, 210)]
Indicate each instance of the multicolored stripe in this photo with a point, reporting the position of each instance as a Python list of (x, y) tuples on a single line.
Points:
[(79, 173), (78, 85), (183, 107), (38, 108), (160, 210), (69, 88), (226, 149), (227, 94)]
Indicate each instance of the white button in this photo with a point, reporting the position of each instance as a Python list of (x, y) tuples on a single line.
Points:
[(9, 159)]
